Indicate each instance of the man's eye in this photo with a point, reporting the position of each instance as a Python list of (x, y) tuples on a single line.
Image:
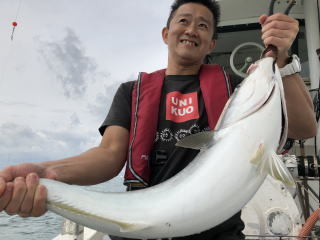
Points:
[(202, 25), (183, 20)]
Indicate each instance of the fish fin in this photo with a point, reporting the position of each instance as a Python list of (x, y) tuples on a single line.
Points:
[(130, 227), (124, 226), (197, 141), (284, 134), (274, 166), (256, 159)]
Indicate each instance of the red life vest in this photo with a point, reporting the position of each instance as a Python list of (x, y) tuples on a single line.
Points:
[(216, 89)]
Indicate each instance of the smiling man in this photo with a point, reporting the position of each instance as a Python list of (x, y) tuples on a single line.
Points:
[(189, 36), (150, 115)]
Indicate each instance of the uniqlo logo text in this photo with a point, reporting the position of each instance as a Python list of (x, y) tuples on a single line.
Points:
[(182, 107)]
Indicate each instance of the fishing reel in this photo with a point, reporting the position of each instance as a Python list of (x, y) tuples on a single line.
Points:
[(302, 166), (308, 166), (316, 102)]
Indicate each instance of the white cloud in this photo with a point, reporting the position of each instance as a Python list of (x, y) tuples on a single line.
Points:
[(102, 101), (68, 62), (53, 101), (20, 143), (74, 120)]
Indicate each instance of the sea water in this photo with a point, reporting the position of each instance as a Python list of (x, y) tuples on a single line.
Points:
[(16, 228)]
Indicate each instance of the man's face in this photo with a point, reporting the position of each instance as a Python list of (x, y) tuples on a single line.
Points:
[(189, 37)]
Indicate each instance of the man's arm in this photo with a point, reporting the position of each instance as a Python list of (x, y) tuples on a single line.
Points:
[(301, 116), (20, 192), (96, 165), (281, 30)]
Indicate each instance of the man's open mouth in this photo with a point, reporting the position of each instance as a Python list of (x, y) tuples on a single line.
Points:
[(189, 43)]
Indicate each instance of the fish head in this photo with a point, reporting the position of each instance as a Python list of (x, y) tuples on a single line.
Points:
[(251, 94)]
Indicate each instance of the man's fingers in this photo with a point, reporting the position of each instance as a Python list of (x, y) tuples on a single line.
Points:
[(7, 174), (277, 17), (280, 26), (32, 182), (276, 33), (279, 30), (276, 41), (2, 186), (282, 44), (280, 23), (6, 196), (39, 204), (263, 18), (19, 190)]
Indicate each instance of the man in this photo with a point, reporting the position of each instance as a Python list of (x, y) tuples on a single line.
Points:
[(177, 108)]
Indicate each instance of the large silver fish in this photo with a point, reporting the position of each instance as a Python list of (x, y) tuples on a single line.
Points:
[(233, 162)]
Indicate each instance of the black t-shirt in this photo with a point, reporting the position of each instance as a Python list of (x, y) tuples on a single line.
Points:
[(181, 113)]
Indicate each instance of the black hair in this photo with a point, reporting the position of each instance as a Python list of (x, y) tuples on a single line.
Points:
[(212, 5)]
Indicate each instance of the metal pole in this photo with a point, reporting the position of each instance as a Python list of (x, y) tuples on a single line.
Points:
[(313, 39)]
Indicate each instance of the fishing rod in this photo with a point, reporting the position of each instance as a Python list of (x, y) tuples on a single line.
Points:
[(271, 47), (286, 12)]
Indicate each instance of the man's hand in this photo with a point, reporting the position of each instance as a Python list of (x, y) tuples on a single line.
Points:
[(279, 30), (20, 192)]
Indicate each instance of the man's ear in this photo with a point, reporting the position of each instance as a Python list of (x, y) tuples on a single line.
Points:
[(212, 45), (165, 31)]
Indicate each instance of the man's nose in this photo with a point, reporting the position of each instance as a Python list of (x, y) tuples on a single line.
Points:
[(191, 30)]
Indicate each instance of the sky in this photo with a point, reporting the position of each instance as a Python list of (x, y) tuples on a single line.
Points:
[(59, 73)]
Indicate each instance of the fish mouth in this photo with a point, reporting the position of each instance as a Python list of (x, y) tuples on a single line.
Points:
[(189, 42)]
